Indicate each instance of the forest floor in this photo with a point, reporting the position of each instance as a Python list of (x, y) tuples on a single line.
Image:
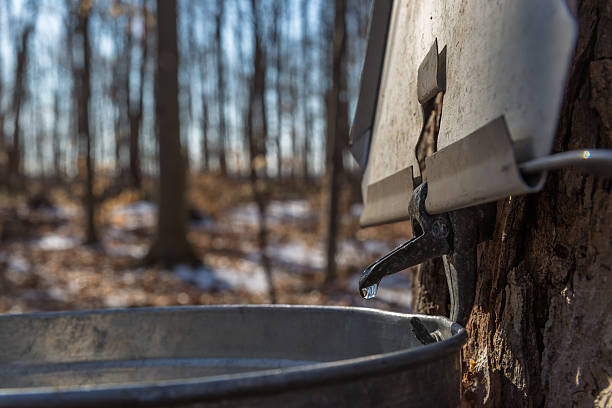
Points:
[(44, 266)]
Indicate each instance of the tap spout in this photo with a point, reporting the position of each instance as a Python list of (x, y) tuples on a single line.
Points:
[(433, 237)]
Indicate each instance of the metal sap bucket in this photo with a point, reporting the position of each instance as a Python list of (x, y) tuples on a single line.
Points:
[(224, 356)]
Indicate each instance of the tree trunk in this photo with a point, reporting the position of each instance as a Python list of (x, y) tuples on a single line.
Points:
[(540, 332), (204, 126), (257, 128), (57, 150), (14, 158), (293, 97), (307, 117), (117, 95), (205, 100), (220, 88), (277, 41), (170, 246), (83, 90), (337, 133), (135, 112)]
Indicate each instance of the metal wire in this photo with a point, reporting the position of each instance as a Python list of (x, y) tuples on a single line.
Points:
[(597, 161)]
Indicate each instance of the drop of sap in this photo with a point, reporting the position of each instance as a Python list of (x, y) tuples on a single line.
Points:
[(369, 292)]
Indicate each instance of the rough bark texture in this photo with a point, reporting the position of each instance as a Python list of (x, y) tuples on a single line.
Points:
[(541, 325)]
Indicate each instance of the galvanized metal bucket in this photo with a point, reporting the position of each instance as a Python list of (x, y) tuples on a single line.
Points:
[(225, 356)]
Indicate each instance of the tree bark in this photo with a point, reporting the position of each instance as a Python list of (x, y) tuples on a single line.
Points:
[(170, 246), (306, 65), (205, 100), (293, 101), (57, 150), (337, 133), (135, 112), (257, 129), (220, 88), (83, 91), (277, 41), (14, 158), (540, 332)]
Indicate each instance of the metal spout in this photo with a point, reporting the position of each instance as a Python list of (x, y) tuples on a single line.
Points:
[(432, 238), (453, 235)]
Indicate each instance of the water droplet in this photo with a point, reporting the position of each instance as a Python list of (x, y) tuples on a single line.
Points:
[(369, 292)]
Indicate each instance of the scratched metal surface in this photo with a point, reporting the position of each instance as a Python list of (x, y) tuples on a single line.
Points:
[(229, 356), (503, 58)]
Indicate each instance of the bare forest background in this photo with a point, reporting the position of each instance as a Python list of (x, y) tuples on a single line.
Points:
[(182, 152)]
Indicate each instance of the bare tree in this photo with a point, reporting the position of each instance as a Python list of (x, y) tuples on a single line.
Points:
[(293, 108), (205, 99), (119, 86), (220, 86), (306, 66), (82, 84), (204, 123), (19, 96), (57, 150), (337, 132), (257, 129), (135, 112), (277, 12), (170, 246)]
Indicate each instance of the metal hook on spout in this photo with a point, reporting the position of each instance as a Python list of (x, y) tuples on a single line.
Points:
[(453, 235)]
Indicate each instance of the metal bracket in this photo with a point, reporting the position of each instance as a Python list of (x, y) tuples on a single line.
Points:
[(503, 81), (453, 235)]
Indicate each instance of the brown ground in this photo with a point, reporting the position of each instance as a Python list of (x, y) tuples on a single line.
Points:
[(36, 278)]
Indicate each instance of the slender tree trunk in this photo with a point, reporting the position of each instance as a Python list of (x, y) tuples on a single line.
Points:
[(14, 159), (540, 327), (204, 121), (307, 117), (204, 124), (337, 133), (242, 89), (220, 87), (134, 113), (277, 40), (57, 150), (119, 62), (257, 129), (83, 88), (293, 95), (170, 246)]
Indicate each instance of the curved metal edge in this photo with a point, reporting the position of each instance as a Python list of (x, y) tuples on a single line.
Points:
[(360, 133), (477, 169), (237, 385)]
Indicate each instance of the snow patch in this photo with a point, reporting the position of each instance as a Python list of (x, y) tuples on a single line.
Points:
[(18, 263), (277, 212), (299, 253), (128, 250), (56, 242), (140, 214), (247, 276)]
